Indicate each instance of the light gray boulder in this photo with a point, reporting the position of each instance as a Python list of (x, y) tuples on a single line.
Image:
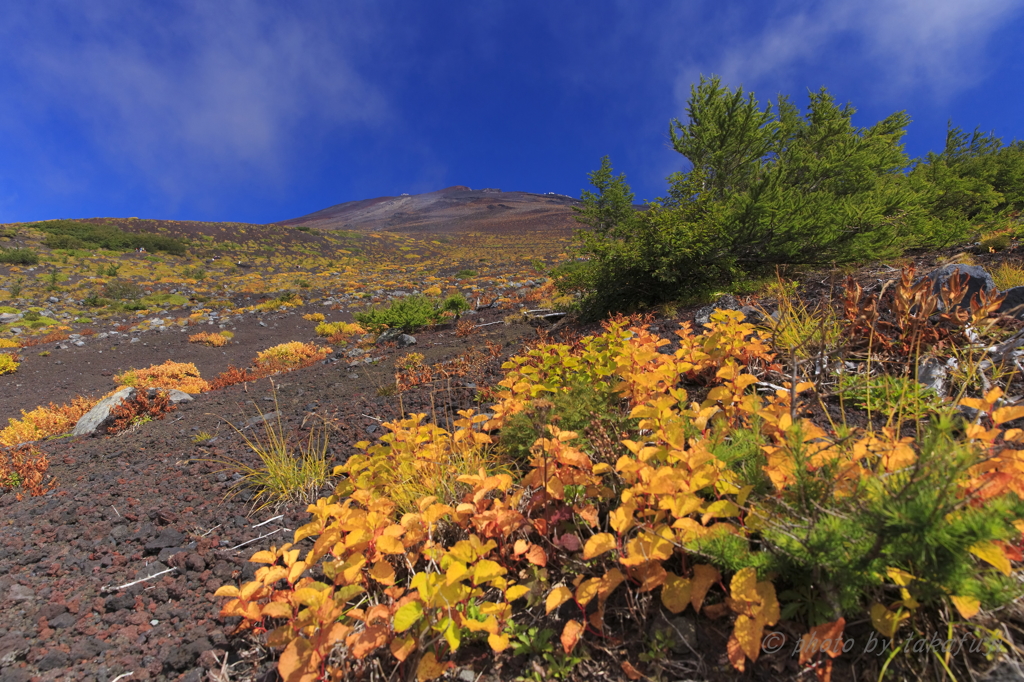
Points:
[(727, 302), (406, 340), (99, 416)]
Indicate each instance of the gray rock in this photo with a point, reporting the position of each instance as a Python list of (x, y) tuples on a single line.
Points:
[(406, 340), (931, 373), (727, 302), (174, 396), (20, 593), (389, 335), (13, 645), (15, 675), (7, 318), (977, 280), (54, 658), (168, 538), (680, 630), (98, 417), (1013, 303)]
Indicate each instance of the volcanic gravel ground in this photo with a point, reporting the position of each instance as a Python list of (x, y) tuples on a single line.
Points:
[(75, 601)]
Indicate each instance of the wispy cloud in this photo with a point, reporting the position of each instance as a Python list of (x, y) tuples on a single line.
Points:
[(195, 89), (937, 46)]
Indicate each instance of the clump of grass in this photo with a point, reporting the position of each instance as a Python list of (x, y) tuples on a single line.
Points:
[(799, 327), (899, 396), (465, 274), (314, 317), (1008, 275), (9, 343), (285, 472)]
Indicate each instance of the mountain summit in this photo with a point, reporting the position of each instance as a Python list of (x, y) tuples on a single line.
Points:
[(454, 209)]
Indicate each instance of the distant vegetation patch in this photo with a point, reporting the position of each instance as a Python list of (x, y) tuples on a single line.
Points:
[(69, 234), (19, 256)]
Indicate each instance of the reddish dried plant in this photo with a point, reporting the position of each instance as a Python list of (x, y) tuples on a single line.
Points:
[(141, 408), (24, 467), (52, 337)]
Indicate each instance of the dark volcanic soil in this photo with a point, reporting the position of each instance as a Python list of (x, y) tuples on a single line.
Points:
[(150, 502)]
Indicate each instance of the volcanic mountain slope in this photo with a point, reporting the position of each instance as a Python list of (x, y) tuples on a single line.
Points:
[(455, 209)]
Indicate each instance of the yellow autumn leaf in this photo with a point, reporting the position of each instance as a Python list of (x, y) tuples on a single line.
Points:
[(264, 557), (407, 615), (226, 591), (886, 621), (993, 554), (747, 632), (388, 544), (516, 592), (498, 642), (967, 606), (597, 545), (675, 593), (1006, 414), (430, 668), (556, 598), (486, 570), (383, 573)]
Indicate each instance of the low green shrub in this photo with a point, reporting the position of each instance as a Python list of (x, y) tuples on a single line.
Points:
[(165, 299), (122, 291), (412, 312), (19, 256), (70, 234), (465, 274)]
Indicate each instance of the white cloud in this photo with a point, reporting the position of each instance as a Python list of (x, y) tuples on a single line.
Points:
[(934, 45), (198, 89)]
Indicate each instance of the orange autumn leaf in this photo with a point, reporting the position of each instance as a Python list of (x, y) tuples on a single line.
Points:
[(825, 638), (571, 635), (631, 672), (704, 577), (537, 556)]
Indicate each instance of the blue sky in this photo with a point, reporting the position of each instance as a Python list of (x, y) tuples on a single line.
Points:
[(262, 111)]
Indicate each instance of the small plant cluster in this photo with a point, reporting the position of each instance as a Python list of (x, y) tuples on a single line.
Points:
[(291, 355), (24, 468), (413, 312), (142, 409), (209, 339), (182, 376), (284, 357), (339, 332), (9, 363), (43, 422), (286, 472), (70, 234), (736, 506), (20, 256)]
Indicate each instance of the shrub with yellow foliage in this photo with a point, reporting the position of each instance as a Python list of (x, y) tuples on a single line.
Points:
[(43, 422), (292, 355), (208, 339), (182, 376)]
